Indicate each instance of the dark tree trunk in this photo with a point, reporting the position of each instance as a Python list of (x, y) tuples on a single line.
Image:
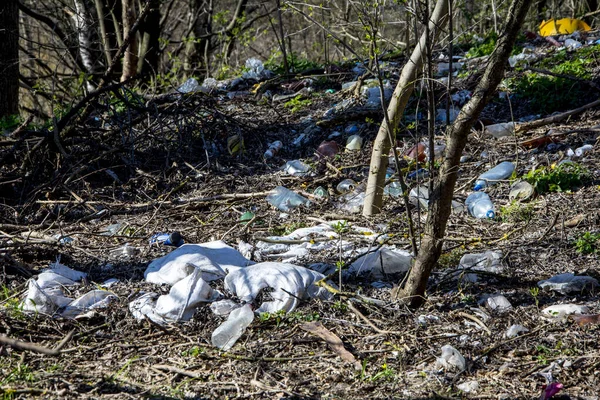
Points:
[(150, 32), (9, 57), (441, 198)]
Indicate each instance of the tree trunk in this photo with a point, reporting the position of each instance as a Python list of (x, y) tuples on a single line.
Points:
[(130, 56), (9, 58), (403, 91), (441, 197), (85, 34), (199, 39), (150, 31)]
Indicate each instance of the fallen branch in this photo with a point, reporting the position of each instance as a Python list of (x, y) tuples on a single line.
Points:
[(36, 348), (522, 128)]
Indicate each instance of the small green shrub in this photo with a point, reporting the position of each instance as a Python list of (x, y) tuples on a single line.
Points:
[(588, 243), (516, 212), (564, 177), (297, 103)]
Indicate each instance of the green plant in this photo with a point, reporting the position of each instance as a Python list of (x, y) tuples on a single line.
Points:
[(588, 243), (564, 177), (193, 352), (386, 374), (534, 292), (295, 63), (22, 373), (9, 122), (297, 103), (516, 212)]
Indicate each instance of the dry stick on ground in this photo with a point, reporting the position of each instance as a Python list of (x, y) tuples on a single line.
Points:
[(522, 128), (36, 348)]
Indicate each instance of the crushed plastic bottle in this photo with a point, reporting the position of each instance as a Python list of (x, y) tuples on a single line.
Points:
[(500, 130), (273, 149), (168, 239), (494, 175), (226, 334), (286, 200), (583, 150), (296, 168), (223, 307), (480, 205), (354, 143)]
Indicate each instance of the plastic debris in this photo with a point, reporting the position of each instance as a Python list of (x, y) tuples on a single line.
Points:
[(468, 387), (273, 149), (441, 115), (572, 44), (564, 26), (382, 264), (327, 149), (451, 359), (521, 190), (255, 70), (226, 334), (289, 284), (480, 205), (345, 186), (354, 143), (189, 86), (444, 68), (583, 150), (168, 239), (568, 283), (321, 192), (498, 303), (500, 130), (417, 152), (525, 57), (514, 331), (223, 307), (494, 175), (296, 168), (286, 200), (419, 174), (213, 259), (560, 310), (549, 390)]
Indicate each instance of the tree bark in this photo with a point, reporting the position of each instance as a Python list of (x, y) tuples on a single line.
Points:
[(441, 198), (402, 93), (9, 58), (130, 56), (150, 32)]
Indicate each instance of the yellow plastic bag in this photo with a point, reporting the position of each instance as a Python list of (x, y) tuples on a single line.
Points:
[(563, 26)]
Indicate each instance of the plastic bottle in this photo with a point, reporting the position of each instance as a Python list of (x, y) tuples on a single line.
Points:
[(226, 334), (583, 150), (480, 205), (345, 186), (286, 200), (169, 239), (273, 149), (296, 168), (491, 177), (500, 130)]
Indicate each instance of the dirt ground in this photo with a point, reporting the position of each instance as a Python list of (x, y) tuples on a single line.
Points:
[(163, 166)]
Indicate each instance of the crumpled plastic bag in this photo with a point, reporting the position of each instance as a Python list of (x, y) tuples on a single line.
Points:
[(382, 263), (256, 70), (213, 259), (451, 359), (45, 294), (568, 283), (290, 284), (180, 304)]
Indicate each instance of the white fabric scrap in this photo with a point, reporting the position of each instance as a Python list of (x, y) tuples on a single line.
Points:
[(66, 271), (44, 301), (90, 301), (213, 259), (291, 283)]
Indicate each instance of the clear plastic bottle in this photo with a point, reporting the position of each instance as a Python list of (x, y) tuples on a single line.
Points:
[(480, 205), (491, 177), (226, 334)]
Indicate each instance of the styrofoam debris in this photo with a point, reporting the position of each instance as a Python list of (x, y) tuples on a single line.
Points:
[(560, 310)]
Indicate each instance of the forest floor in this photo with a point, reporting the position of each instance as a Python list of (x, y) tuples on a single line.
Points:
[(160, 164)]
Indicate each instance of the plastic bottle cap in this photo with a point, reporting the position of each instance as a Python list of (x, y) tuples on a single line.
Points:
[(478, 187), (490, 214)]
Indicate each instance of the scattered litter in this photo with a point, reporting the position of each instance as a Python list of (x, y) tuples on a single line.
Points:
[(494, 175), (168, 239), (514, 331), (521, 190), (286, 200), (289, 283), (564, 26), (296, 168), (560, 310), (525, 57), (548, 391), (255, 70), (451, 359), (497, 302), (273, 149), (583, 150), (226, 334), (468, 387), (354, 143), (480, 205), (500, 130), (382, 264), (327, 149), (569, 283), (189, 86), (345, 186)]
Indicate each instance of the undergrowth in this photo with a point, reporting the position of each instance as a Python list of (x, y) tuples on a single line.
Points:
[(562, 178)]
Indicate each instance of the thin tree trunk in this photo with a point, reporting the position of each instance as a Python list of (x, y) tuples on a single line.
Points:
[(403, 91), (130, 56), (9, 58), (441, 197), (103, 32)]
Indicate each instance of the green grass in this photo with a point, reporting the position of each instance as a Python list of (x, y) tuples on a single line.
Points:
[(562, 178), (298, 103), (588, 243), (516, 212)]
